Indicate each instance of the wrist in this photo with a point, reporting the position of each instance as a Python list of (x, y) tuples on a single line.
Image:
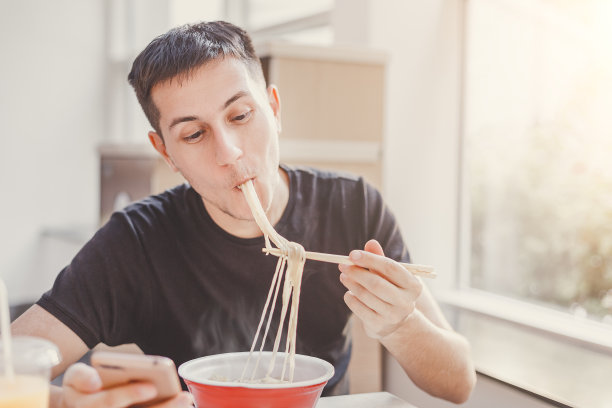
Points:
[(403, 328)]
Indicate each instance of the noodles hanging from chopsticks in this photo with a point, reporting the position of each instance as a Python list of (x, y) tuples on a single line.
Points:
[(289, 269)]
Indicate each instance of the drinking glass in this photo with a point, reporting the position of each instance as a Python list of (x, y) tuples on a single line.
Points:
[(33, 359)]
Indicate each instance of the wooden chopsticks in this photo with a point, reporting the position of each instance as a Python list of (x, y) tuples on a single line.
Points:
[(425, 271)]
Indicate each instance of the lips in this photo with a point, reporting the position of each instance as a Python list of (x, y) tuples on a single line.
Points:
[(237, 186)]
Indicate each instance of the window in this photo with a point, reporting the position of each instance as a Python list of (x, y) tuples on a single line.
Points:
[(278, 20), (536, 191), (190, 11), (265, 13), (538, 152)]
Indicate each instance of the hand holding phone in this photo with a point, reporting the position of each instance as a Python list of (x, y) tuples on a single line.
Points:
[(121, 368)]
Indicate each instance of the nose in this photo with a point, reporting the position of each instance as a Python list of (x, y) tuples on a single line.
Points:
[(227, 147)]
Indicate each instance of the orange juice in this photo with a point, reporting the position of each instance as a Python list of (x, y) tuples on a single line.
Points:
[(24, 391)]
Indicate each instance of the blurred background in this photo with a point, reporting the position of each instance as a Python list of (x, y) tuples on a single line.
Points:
[(484, 122)]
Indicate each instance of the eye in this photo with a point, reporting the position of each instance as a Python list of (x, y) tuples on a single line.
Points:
[(243, 117), (193, 137)]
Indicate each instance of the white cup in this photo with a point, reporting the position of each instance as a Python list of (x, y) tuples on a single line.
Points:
[(33, 359)]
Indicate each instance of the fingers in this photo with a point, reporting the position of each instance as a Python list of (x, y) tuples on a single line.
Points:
[(82, 387), (362, 311), (386, 267), (374, 247), (386, 312), (82, 378), (117, 397), (375, 326), (123, 396), (181, 400), (381, 292), (369, 287)]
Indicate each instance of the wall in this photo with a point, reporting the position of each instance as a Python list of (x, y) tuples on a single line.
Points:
[(487, 394), (51, 110)]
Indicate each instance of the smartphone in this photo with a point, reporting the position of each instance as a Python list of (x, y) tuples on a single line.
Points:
[(121, 368)]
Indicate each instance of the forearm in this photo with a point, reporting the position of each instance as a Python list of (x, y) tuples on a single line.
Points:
[(437, 360)]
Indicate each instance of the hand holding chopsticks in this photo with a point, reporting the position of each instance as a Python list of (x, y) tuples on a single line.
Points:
[(419, 270)]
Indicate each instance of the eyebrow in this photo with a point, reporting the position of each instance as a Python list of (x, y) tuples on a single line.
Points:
[(181, 120), (234, 98), (227, 103)]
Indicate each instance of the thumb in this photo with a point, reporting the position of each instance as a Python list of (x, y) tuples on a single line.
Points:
[(82, 378), (374, 247)]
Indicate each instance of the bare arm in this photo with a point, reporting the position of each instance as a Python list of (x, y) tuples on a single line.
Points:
[(37, 322), (434, 356), (396, 308)]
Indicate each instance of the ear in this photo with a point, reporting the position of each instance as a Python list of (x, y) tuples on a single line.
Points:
[(158, 143), (275, 104)]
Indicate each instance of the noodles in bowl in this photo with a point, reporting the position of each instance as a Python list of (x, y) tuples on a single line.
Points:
[(214, 381)]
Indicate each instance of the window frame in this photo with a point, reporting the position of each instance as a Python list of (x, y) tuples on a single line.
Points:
[(461, 295), (453, 291)]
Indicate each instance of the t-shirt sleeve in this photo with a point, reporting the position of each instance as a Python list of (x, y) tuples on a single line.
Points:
[(98, 295), (382, 226)]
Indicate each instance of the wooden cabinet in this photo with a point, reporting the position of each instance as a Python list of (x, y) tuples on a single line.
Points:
[(332, 106), (129, 172)]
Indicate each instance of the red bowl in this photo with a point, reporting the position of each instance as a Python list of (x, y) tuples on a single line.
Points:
[(311, 375)]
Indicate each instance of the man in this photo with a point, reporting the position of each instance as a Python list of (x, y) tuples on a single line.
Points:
[(181, 274)]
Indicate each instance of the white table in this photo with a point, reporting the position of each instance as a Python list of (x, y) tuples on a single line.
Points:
[(368, 400)]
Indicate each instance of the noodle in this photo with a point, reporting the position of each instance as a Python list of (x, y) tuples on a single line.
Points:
[(289, 269)]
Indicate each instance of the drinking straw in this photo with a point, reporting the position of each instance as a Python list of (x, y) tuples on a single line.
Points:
[(5, 330)]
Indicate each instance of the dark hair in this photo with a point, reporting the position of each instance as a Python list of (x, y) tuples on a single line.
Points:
[(183, 49)]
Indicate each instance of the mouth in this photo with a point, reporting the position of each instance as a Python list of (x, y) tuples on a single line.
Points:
[(238, 187)]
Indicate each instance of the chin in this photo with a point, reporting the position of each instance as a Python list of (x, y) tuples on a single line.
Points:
[(240, 212)]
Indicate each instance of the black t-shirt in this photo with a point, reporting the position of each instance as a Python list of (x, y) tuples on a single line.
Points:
[(161, 274)]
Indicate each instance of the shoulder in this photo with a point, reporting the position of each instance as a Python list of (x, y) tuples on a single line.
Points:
[(308, 172), (339, 194), (163, 202), (151, 210), (347, 189), (306, 177)]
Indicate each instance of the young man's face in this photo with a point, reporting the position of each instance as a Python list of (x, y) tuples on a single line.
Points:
[(220, 128)]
